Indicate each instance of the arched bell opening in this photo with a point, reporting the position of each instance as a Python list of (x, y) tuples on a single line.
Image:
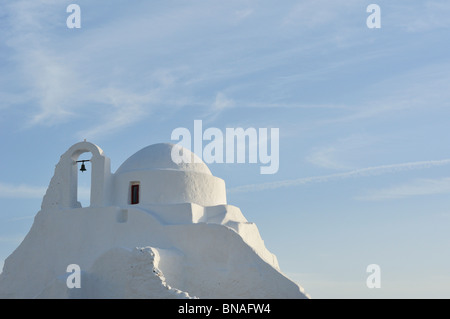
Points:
[(84, 179), (86, 176), (80, 177)]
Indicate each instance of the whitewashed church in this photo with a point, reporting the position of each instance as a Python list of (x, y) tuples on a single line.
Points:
[(154, 229)]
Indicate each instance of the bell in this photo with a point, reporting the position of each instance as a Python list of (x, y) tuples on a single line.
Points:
[(83, 167)]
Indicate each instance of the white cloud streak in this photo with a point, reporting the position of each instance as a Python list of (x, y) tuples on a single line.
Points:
[(21, 191), (62, 81), (123, 109), (341, 154), (419, 187), (363, 172), (425, 16), (31, 192), (312, 14), (58, 84), (422, 88)]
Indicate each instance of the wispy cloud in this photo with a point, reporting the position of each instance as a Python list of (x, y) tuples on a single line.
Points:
[(46, 80), (60, 84), (54, 86), (243, 13), (222, 102), (275, 105), (340, 154), (418, 187), (65, 74), (21, 191), (363, 172), (121, 110), (312, 14), (31, 192), (421, 88), (68, 74), (20, 218), (424, 16)]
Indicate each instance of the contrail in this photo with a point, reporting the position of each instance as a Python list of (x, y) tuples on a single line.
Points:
[(362, 172)]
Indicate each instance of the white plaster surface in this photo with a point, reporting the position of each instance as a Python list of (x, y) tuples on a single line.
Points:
[(166, 248)]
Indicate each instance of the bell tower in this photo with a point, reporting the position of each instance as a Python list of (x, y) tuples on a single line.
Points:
[(62, 191)]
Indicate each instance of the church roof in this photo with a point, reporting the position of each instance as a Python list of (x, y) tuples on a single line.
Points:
[(158, 157)]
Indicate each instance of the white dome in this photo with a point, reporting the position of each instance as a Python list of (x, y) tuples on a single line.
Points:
[(158, 157)]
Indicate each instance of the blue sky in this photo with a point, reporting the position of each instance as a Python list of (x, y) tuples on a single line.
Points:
[(363, 115)]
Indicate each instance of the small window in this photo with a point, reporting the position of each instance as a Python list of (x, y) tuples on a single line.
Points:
[(134, 194)]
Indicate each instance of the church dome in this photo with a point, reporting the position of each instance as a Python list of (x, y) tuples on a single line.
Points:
[(150, 176), (159, 157)]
